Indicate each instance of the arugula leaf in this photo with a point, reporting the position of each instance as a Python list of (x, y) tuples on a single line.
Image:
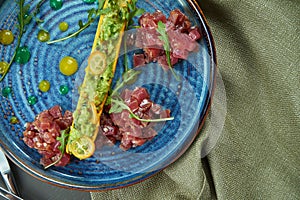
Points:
[(128, 78), (101, 3), (161, 29), (118, 105), (63, 139), (139, 11), (133, 12)]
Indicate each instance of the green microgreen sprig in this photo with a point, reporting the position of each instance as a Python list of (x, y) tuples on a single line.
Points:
[(118, 105), (63, 138), (23, 19), (36, 11), (133, 12), (128, 78), (161, 29), (20, 26), (92, 15)]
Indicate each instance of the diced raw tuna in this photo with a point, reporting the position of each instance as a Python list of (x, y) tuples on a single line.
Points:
[(182, 38), (129, 131), (42, 134)]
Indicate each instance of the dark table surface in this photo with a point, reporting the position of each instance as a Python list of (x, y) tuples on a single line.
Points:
[(34, 189)]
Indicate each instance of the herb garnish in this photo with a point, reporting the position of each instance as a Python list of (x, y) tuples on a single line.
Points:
[(63, 142), (92, 15), (133, 12), (118, 104), (33, 15), (23, 20), (161, 29), (20, 26), (129, 77), (36, 11)]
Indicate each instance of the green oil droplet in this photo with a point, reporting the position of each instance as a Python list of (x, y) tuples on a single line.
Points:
[(63, 26), (3, 67), (22, 55), (56, 4), (32, 100), (89, 1), (6, 91), (14, 120), (43, 36), (63, 89)]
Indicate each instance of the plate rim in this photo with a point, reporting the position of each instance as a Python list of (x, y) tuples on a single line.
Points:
[(213, 59)]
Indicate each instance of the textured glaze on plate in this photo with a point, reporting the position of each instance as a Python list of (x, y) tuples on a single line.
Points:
[(109, 167)]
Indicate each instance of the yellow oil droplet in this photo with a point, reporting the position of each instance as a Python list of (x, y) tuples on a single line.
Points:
[(44, 85), (63, 26), (68, 66), (43, 36), (3, 67), (6, 37)]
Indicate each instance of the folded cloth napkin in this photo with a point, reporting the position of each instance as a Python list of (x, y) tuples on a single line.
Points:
[(257, 154)]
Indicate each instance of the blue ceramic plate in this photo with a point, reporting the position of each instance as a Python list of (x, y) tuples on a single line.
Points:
[(109, 167)]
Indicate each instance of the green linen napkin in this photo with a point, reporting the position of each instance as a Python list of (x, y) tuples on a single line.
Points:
[(258, 153)]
